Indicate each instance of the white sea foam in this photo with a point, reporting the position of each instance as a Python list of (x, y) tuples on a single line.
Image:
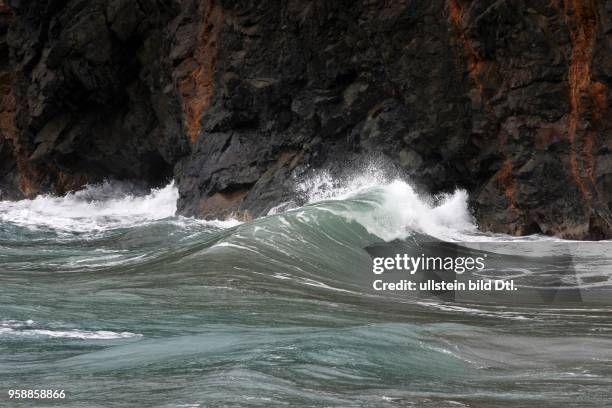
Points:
[(28, 328), (99, 207), (221, 224), (71, 334), (402, 212), (397, 211)]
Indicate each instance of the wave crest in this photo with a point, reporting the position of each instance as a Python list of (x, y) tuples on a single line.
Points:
[(392, 209)]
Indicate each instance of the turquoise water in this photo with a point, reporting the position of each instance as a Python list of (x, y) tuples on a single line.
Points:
[(113, 299)]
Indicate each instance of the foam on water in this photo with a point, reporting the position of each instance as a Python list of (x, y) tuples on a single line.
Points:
[(27, 328), (71, 334), (99, 207), (396, 210)]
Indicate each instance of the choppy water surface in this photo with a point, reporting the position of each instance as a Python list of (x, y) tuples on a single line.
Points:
[(113, 299)]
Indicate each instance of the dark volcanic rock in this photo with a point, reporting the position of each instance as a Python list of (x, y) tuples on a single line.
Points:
[(91, 93), (507, 99), (9, 172)]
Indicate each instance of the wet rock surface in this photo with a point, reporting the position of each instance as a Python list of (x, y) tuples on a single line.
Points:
[(240, 100)]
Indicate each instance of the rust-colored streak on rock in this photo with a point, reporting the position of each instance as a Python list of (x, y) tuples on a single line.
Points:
[(584, 94), (504, 176), (479, 70), (197, 88), (7, 78), (506, 182), (28, 178), (30, 175), (7, 107), (476, 65)]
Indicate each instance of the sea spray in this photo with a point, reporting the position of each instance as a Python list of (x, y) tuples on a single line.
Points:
[(393, 209)]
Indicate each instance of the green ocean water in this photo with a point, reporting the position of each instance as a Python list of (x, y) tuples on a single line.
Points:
[(107, 295)]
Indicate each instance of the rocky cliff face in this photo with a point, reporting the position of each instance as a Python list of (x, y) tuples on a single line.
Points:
[(88, 81), (239, 99), (8, 164)]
